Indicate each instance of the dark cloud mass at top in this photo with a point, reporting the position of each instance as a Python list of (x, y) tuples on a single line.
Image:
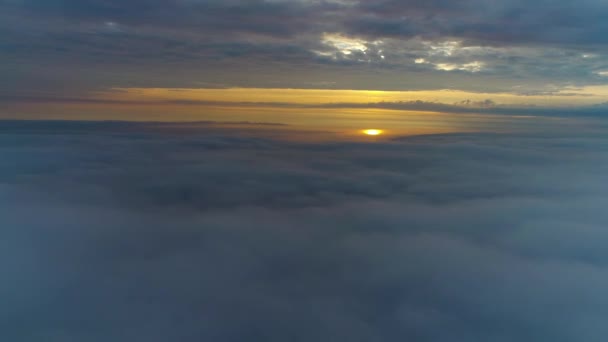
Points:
[(124, 231), (499, 21), (159, 43)]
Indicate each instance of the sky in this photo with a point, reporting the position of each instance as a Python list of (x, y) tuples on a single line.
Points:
[(303, 170), (191, 60)]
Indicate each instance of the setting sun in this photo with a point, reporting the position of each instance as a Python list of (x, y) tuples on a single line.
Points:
[(372, 132)]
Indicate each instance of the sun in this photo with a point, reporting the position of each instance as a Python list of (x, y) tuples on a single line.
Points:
[(373, 132)]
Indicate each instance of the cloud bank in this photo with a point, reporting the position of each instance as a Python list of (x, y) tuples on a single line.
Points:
[(124, 232), (58, 47)]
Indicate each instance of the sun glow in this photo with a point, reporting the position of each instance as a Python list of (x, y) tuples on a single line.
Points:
[(372, 132)]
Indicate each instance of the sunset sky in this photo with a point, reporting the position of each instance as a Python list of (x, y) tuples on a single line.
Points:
[(191, 60), (303, 170)]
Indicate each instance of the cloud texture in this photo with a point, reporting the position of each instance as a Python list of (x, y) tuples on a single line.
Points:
[(498, 45), (125, 232)]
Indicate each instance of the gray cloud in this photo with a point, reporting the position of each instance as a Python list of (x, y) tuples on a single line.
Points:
[(498, 22), (124, 231), (90, 45)]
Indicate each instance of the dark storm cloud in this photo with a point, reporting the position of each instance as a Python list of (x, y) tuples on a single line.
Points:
[(152, 234)]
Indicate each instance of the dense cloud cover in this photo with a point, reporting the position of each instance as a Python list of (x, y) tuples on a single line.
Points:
[(93, 44), (141, 232)]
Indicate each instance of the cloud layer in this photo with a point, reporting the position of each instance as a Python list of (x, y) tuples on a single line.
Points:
[(499, 45), (123, 232)]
